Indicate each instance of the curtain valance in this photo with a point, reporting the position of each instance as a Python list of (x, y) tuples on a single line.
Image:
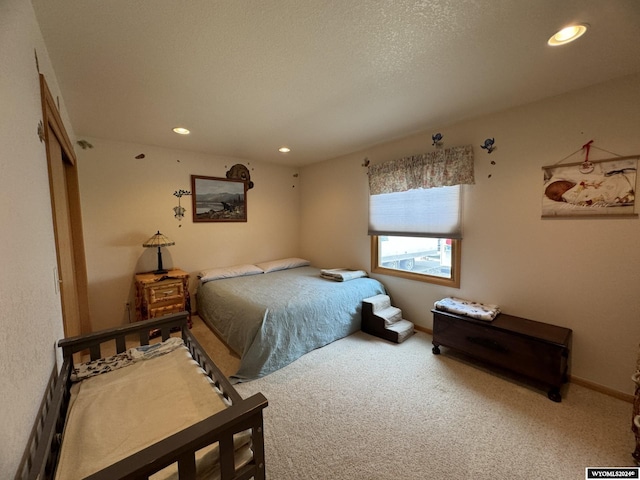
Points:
[(444, 167)]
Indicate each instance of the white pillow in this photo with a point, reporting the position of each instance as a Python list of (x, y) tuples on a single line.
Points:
[(283, 264), (228, 272)]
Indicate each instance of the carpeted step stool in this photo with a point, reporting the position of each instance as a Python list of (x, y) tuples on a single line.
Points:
[(383, 320)]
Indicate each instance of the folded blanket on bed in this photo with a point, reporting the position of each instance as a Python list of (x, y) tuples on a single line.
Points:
[(119, 360), (481, 311), (342, 274)]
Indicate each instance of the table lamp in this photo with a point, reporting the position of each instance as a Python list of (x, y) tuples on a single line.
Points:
[(159, 240)]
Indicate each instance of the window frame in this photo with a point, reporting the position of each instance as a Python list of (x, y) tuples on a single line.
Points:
[(456, 256)]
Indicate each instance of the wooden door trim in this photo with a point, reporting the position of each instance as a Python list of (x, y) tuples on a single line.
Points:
[(51, 118)]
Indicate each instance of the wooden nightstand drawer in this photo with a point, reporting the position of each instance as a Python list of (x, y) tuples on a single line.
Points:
[(166, 310), (165, 291)]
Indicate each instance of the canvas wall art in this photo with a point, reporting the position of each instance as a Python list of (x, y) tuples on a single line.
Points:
[(599, 187), (218, 199)]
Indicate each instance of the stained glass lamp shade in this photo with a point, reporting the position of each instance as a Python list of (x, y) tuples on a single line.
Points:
[(159, 241)]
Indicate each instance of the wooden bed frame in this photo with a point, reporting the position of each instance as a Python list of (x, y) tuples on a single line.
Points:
[(41, 455)]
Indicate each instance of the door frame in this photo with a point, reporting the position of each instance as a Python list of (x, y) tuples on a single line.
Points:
[(53, 123)]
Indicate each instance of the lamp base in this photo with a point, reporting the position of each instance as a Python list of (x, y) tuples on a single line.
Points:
[(160, 269)]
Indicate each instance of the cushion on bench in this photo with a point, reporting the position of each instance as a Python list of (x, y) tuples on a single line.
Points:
[(459, 306)]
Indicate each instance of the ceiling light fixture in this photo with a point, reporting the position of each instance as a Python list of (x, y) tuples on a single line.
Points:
[(568, 34), (284, 149), (181, 131)]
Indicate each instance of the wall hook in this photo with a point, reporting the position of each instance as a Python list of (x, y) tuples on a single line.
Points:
[(437, 139), (489, 145), (587, 165), (41, 131)]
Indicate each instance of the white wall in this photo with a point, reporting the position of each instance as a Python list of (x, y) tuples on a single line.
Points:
[(31, 319), (580, 273), (126, 200)]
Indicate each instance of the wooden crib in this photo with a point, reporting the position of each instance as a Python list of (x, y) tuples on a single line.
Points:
[(43, 451)]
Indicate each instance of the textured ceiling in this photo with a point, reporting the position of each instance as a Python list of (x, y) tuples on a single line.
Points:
[(323, 77)]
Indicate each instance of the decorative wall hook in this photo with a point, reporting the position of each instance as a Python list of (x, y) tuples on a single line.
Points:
[(437, 139), (489, 145), (41, 131), (587, 165), (240, 172), (180, 210), (366, 162)]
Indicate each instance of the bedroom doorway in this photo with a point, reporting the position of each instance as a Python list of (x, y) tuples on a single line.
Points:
[(67, 220)]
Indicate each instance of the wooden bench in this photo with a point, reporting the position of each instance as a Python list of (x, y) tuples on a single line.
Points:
[(537, 350)]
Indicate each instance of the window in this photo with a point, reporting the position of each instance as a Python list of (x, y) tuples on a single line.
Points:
[(415, 215), (417, 234), (428, 259)]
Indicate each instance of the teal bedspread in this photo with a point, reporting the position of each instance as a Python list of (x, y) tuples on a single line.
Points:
[(272, 319)]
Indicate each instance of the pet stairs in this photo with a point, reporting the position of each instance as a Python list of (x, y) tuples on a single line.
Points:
[(383, 320)]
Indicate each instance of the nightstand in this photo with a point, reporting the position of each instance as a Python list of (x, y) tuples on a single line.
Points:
[(162, 294)]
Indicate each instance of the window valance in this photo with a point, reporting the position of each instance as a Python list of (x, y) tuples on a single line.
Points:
[(444, 167)]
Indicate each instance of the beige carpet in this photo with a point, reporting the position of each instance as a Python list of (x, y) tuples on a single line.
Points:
[(364, 408), (227, 361)]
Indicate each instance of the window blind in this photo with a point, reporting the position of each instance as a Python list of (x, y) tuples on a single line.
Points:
[(420, 195), (432, 212)]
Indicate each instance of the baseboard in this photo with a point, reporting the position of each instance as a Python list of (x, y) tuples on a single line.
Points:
[(423, 329), (627, 397)]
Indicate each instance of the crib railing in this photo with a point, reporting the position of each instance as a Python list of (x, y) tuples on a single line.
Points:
[(41, 455), (247, 414)]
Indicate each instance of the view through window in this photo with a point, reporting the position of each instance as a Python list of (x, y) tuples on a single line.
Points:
[(428, 256)]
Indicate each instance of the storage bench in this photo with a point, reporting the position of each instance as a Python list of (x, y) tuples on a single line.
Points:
[(537, 350)]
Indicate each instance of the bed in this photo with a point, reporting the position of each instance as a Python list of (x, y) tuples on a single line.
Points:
[(271, 315), (225, 441)]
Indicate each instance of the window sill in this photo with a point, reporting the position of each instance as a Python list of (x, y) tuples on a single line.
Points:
[(420, 277)]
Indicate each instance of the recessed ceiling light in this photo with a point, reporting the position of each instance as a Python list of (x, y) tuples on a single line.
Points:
[(568, 34), (284, 149), (181, 131)]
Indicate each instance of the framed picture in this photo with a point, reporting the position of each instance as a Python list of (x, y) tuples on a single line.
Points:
[(218, 199), (590, 188)]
